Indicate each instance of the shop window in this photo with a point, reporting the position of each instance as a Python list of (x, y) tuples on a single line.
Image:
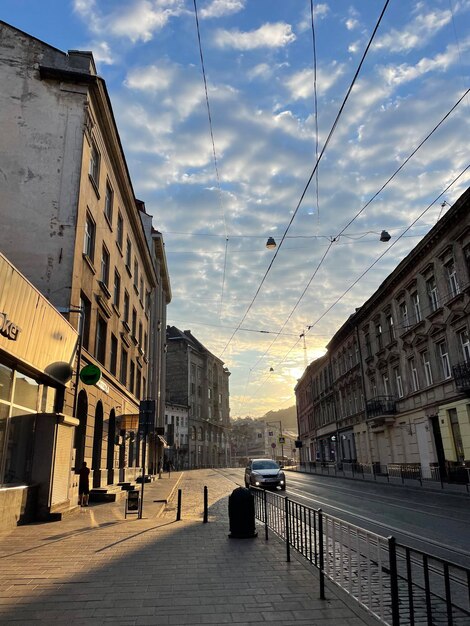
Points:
[(456, 434), (6, 382)]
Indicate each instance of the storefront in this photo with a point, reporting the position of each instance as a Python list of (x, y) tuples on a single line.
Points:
[(37, 352)]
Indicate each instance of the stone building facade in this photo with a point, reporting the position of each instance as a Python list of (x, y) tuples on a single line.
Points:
[(73, 227), (198, 379), (394, 386)]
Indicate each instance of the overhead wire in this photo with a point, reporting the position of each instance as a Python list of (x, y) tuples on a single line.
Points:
[(302, 196), (214, 154), (341, 233), (310, 326), (315, 104)]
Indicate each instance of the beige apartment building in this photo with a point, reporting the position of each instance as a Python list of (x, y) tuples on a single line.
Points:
[(393, 389), (73, 227), (199, 380)]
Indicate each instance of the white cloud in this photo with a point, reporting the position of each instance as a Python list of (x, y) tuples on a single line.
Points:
[(351, 23), (300, 84), (102, 52), (137, 20), (275, 35), (399, 74), (151, 78), (416, 34), (219, 8)]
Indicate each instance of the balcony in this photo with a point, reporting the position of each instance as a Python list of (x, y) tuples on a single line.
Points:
[(381, 406), (461, 373)]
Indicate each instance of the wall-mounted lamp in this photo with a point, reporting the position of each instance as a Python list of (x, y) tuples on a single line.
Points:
[(270, 244), (385, 236)]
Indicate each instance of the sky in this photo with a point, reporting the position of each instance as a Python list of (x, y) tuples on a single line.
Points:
[(297, 140)]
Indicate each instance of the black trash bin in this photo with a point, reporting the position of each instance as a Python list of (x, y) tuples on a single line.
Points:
[(241, 512)]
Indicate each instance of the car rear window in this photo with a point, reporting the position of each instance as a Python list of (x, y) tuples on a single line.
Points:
[(265, 465)]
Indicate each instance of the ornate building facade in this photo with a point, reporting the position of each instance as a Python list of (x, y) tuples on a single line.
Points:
[(197, 379), (394, 386)]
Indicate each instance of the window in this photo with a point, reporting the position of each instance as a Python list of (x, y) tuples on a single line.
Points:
[(119, 230), (113, 354), (385, 383), (134, 322), (403, 314), (466, 254), (123, 371), (416, 307), (465, 344), (398, 382), (426, 367), (140, 334), (108, 202), (117, 289), (94, 164), (86, 308), (126, 307), (100, 346), (433, 297), (136, 275), (391, 328), (89, 238), (414, 375), (456, 435), (378, 336), (132, 377), (138, 383), (145, 346), (144, 388), (368, 348), (452, 281), (444, 358), (128, 253), (141, 292), (104, 276)]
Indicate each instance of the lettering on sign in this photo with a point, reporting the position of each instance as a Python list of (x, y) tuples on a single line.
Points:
[(7, 328)]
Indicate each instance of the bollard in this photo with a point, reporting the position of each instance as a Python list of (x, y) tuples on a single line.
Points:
[(178, 510), (205, 506)]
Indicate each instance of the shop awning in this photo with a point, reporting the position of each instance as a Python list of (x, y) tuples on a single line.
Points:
[(128, 422)]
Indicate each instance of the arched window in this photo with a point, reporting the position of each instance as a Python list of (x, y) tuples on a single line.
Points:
[(97, 444)]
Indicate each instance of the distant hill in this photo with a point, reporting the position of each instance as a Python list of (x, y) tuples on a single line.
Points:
[(288, 418)]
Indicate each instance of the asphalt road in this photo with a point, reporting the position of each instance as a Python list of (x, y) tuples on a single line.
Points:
[(434, 522)]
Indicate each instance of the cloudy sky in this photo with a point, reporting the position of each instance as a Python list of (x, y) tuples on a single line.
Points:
[(275, 87)]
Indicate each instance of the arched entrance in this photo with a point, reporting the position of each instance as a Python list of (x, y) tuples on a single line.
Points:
[(97, 445), (110, 449), (80, 430)]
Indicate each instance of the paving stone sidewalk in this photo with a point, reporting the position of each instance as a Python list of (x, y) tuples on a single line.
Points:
[(96, 567)]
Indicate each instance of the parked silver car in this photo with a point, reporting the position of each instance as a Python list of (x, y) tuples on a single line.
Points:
[(264, 473)]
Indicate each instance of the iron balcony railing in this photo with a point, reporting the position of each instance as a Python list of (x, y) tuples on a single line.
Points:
[(396, 583), (381, 405), (461, 373)]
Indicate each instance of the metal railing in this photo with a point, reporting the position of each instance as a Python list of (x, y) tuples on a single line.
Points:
[(406, 473), (381, 405), (398, 584)]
